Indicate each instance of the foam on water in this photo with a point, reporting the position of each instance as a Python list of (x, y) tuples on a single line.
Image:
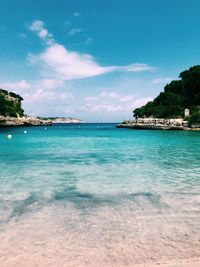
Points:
[(98, 196)]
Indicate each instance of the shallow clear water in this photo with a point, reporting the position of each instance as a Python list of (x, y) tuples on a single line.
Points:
[(82, 194)]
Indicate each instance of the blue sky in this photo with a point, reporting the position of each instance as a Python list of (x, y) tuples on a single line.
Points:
[(96, 60)]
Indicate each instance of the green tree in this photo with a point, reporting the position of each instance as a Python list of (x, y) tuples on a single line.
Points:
[(8, 106), (177, 96)]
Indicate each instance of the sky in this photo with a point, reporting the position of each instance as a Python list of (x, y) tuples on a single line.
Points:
[(95, 60)]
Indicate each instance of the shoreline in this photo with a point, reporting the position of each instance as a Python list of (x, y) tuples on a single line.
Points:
[(158, 127), (23, 121), (27, 121), (159, 124)]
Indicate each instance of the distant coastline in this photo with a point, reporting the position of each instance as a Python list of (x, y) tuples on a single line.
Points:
[(60, 120)]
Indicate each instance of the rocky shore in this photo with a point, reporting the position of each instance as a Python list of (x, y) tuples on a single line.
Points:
[(158, 124), (6, 121)]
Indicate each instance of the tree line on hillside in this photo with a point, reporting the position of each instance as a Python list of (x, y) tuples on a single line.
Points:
[(10, 104), (178, 95)]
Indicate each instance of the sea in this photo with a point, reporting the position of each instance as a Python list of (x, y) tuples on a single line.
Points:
[(95, 195)]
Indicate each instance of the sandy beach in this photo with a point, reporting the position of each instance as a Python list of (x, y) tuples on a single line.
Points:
[(52, 238)]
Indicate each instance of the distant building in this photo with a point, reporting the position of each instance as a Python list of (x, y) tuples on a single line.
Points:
[(186, 113)]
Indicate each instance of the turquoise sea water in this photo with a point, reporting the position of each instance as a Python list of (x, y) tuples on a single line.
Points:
[(96, 185)]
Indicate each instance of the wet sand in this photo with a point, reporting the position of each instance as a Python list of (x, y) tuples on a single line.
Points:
[(58, 236)]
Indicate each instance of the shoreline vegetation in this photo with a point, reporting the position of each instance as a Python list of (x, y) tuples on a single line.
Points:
[(177, 108)]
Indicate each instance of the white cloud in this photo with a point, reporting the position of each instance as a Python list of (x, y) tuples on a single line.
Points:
[(48, 84), (19, 85), (105, 108), (40, 96), (136, 67), (74, 31), (50, 97), (76, 14), (113, 102), (21, 35), (142, 101), (127, 98), (38, 27), (89, 41), (113, 95), (40, 102), (91, 98), (69, 65), (58, 61), (67, 23), (162, 80)]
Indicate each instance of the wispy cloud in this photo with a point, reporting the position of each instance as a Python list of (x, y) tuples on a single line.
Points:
[(117, 96), (22, 35), (142, 101), (16, 85), (76, 14), (75, 31), (162, 80), (23, 85), (89, 41), (67, 23), (57, 61), (38, 27), (60, 62), (42, 102), (113, 102)]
